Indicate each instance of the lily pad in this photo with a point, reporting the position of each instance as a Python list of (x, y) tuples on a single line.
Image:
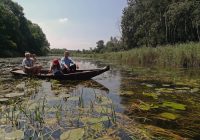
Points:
[(165, 85), (32, 106), (174, 105), (126, 93), (14, 135), (20, 87), (94, 120), (144, 106), (97, 127), (102, 109), (75, 98), (148, 85), (165, 90), (194, 90), (64, 96), (153, 95), (51, 121), (3, 121), (13, 95), (169, 116), (105, 101), (183, 88), (3, 99), (74, 134)]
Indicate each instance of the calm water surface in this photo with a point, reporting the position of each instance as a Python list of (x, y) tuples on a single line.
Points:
[(165, 103)]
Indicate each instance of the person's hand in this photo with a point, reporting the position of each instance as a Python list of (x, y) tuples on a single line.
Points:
[(67, 68)]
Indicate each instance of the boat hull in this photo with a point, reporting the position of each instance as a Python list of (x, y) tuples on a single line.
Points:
[(78, 75)]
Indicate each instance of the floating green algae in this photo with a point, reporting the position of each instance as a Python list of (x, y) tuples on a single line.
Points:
[(74, 134), (92, 120), (165, 90), (169, 116), (151, 94), (174, 105), (127, 93), (13, 135)]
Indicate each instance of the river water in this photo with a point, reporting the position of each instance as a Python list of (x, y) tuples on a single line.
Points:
[(124, 102)]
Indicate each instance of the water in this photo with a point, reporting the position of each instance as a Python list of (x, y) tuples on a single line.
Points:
[(126, 101)]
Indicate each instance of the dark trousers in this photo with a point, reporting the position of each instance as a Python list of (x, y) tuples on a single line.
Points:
[(72, 68)]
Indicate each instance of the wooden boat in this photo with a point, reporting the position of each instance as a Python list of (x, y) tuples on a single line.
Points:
[(77, 75)]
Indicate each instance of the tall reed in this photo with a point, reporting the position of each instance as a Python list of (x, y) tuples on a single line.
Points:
[(179, 55)]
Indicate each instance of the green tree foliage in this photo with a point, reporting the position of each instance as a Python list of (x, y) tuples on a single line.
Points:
[(157, 22), (17, 34), (113, 45), (100, 46)]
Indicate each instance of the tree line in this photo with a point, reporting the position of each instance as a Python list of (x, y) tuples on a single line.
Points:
[(18, 34), (156, 22)]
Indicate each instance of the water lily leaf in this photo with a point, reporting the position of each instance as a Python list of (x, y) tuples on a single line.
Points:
[(169, 116), (3, 121), (94, 120), (51, 121), (174, 105), (105, 138), (20, 87), (148, 85), (153, 95), (32, 106), (102, 109), (105, 101), (74, 134), (194, 90), (126, 93), (144, 106), (75, 98), (165, 90), (14, 135), (183, 88), (3, 99), (97, 127), (165, 85), (2, 133), (64, 96), (181, 91), (13, 95)]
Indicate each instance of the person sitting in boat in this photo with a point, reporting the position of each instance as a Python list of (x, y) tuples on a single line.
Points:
[(33, 57), (28, 65), (67, 64), (55, 67), (35, 63)]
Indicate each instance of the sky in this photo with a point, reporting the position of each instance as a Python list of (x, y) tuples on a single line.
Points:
[(75, 24)]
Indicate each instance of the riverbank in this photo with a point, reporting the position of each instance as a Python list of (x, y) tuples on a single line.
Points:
[(179, 55)]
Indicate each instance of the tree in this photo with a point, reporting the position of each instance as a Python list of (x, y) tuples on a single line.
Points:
[(17, 34), (100, 46), (157, 22)]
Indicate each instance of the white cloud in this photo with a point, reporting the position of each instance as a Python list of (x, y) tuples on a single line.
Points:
[(63, 20)]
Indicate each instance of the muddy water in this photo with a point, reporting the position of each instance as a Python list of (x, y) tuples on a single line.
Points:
[(130, 103)]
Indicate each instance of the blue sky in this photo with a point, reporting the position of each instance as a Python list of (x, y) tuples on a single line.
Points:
[(75, 24)]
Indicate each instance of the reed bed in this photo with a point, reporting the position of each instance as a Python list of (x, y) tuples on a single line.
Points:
[(179, 55)]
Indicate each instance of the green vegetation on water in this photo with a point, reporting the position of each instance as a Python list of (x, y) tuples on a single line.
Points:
[(137, 103)]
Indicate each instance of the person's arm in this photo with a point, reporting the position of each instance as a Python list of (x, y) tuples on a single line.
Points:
[(77, 66), (25, 65), (50, 68), (63, 63)]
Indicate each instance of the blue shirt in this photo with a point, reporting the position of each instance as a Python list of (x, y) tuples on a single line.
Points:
[(27, 62), (66, 61)]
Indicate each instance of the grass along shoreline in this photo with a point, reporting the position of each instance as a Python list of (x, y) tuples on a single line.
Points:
[(179, 56)]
